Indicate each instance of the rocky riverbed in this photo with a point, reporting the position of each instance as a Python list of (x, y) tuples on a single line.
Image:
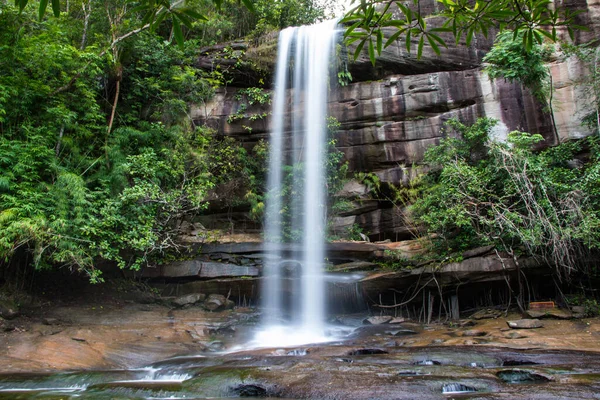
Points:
[(127, 349)]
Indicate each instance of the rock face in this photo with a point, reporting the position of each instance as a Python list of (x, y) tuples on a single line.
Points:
[(199, 269), (393, 112)]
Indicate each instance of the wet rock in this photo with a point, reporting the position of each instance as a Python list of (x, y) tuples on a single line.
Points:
[(514, 335), (215, 345), (221, 329), (474, 333), (438, 341), (188, 299), (377, 320), (9, 309), (297, 352), (354, 320), (402, 332), (522, 376), (216, 302), (397, 320), (455, 388), (427, 362), (525, 324), (249, 390)]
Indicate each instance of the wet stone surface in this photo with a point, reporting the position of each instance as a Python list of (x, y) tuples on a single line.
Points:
[(129, 361)]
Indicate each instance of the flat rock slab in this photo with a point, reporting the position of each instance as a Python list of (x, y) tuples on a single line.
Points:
[(355, 266), (525, 324), (200, 269), (550, 313)]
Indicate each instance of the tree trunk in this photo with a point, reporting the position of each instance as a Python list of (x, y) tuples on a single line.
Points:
[(86, 22)]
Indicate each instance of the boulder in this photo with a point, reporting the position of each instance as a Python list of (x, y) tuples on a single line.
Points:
[(525, 324), (188, 299), (218, 302)]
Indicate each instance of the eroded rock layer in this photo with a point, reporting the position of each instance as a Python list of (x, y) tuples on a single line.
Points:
[(392, 112)]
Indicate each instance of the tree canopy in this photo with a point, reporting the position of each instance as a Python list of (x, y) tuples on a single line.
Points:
[(376, 24)]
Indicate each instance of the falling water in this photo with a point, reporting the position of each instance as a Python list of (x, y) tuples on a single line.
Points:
[(299, 124)]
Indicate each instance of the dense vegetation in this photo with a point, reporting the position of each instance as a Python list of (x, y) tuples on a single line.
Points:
[(99, 160), (97, 157), (544, 204)]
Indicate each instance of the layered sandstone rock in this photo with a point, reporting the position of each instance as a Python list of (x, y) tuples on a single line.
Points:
[(394, 111)]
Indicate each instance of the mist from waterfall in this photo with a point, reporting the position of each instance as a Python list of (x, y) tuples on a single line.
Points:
[(298, 137)]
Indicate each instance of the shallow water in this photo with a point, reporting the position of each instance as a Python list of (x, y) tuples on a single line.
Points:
[(354, 367)]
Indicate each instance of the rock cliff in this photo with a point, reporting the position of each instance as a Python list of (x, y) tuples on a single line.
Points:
[(391, 113)]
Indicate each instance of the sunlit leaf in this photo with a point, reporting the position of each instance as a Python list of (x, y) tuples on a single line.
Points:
[(420, 48), (359, 48), (177, 32), (371, 52), (433, 45), (394, 37)]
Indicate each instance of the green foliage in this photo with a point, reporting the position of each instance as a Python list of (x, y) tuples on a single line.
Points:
[(74, 191), (590, 304), (281, 14), (484, 192), (250, 97), (534, 20), (510, 60), (160, 81)]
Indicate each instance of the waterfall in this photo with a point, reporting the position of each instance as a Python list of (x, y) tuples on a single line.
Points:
[(298, 137)]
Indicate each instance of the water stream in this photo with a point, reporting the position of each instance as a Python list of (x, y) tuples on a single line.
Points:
[(299, 124)]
